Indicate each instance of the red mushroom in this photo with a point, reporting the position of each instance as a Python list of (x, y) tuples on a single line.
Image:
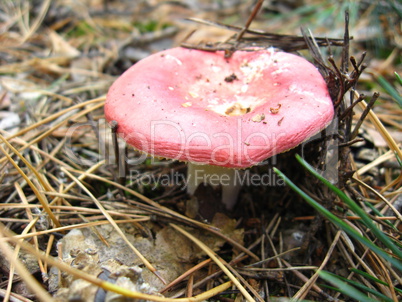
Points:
[(212, 111)]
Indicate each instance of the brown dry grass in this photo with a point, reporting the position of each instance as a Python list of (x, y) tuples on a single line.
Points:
[(58, 59)]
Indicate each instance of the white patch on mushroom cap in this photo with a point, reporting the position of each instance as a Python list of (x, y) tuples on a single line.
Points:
[(174, 59), (298, 90), (216, 68)]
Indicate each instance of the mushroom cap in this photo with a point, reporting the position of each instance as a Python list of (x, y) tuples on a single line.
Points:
[(199, 106)]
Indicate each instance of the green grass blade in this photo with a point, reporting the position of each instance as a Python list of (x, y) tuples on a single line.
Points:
[(368, 276), (398, 159), (345, 288), (356, 209), (390, 90), (398, 77), (378, 213), (337, 221), (364, 288)]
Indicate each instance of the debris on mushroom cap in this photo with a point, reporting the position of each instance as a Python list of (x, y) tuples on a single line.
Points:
[(149, 102), (258, 118)]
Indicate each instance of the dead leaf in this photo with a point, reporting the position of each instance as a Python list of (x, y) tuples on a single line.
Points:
[(61, 47)]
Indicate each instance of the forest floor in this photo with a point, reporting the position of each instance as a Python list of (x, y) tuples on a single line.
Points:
[(72, 229)]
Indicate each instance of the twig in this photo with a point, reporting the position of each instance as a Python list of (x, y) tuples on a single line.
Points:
[(301, 294), (222, 265), (116, 227), (101, 283), (30, 281), (364, 114), (249, 20), (40, 196)]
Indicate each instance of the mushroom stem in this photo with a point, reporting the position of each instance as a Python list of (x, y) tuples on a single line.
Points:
[(215, 176)]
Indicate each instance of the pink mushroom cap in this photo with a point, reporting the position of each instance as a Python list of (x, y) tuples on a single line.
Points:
[(201, 107)]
